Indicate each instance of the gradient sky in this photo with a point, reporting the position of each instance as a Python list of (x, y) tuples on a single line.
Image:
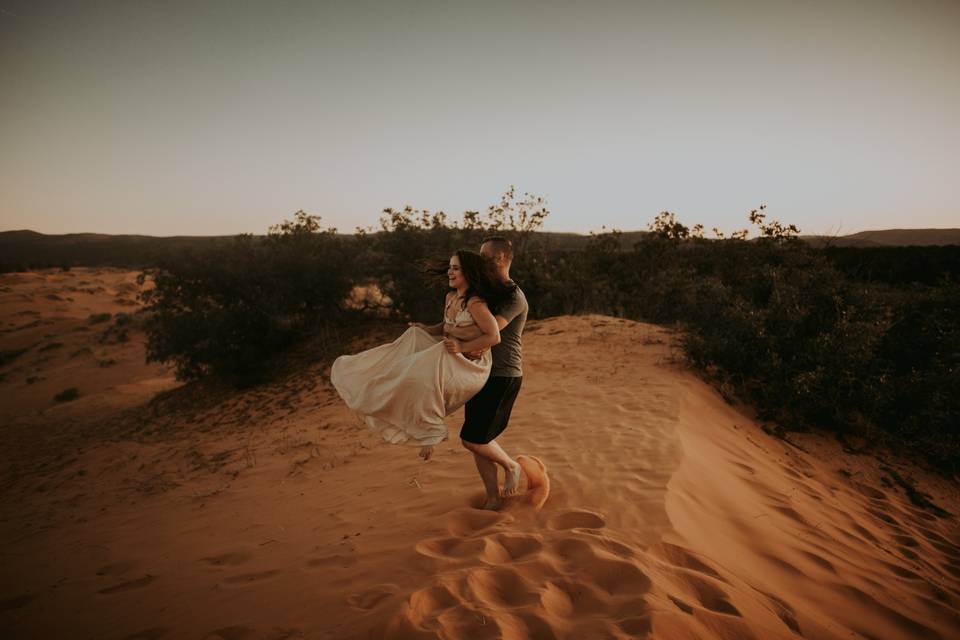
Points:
[(212, 117)]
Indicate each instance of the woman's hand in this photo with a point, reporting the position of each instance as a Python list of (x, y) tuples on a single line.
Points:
[(452, 345)]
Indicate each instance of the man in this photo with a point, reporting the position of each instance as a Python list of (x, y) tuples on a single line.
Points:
[(486, 414)]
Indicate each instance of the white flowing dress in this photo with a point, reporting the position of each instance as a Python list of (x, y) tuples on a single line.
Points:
[(403, 390)]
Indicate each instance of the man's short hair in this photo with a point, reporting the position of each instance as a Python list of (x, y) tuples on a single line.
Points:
[(500, 245)]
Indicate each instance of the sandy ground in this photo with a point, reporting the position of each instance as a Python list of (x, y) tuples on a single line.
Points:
[(143, 509)]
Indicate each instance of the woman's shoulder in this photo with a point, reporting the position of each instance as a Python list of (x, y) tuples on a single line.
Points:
[(474, 300)]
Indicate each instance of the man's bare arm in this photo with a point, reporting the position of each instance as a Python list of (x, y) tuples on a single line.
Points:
[(501, 323)]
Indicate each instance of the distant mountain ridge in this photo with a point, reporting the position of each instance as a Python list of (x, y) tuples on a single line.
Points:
[(892, 238)]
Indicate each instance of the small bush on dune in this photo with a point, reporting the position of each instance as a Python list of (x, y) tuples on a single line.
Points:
[(228, 310), (67, 395), (395, 254)]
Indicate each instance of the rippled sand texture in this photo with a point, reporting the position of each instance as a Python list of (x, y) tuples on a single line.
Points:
[(271, 513)]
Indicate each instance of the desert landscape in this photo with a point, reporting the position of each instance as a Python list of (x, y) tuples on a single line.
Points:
[(140, 507), (735, 230)]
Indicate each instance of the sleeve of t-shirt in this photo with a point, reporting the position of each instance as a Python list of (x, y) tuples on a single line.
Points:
[(512, 309)]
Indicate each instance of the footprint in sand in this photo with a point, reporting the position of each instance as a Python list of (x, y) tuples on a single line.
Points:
[(9, 604), (115, 569), (682, 557), (707, 594), (538, 482), (237, 632), (153, 633), (576, 519), (469, 521), (132, 584), (245, 578), (426, 604), (230, 558), (455, 548), (370, 598)]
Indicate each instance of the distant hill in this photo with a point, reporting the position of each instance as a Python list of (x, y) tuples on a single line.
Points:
[(892, 238), (29, 249)]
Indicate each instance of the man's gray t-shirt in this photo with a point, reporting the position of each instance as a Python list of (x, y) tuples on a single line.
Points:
[(508, 355)]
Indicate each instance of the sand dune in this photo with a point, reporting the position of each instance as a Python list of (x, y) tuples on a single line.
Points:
[(272, 514)]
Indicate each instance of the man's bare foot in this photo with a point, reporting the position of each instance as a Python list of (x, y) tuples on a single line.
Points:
[(511, 485), (426, 452), (493, 503)]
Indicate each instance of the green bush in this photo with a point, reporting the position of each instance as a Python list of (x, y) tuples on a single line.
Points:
[(229, 309)]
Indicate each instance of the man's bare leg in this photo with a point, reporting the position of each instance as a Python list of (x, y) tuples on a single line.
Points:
[(488, 473), (494, 452)]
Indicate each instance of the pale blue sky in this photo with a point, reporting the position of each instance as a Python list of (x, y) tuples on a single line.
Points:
[(215, 117)]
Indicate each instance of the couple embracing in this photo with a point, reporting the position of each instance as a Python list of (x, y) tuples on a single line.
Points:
[(471, 358)]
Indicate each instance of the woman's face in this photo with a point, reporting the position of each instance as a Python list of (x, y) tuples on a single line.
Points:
[(455, 274)]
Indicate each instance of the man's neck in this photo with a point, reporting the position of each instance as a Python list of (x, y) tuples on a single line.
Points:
[(504, 275)]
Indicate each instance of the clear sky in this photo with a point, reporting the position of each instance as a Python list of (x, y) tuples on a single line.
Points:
[(205, 117)]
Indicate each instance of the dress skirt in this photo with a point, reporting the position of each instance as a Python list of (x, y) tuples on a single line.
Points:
[(403, 390)]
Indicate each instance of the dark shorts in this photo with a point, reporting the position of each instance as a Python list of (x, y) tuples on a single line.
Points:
[(486, 414)]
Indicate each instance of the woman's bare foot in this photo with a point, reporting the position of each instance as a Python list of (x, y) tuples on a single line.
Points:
[(426, 451), (511, 484), (493, 503)]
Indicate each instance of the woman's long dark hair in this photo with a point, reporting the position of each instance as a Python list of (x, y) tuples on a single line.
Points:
[(481, 275)]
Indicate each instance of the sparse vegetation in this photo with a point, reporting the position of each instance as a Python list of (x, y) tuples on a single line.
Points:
[(804, 333), (97, 318), (229, 310), (8, 356), (67, 395)]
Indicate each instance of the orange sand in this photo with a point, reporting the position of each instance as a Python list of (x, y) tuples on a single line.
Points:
[(271, 513)]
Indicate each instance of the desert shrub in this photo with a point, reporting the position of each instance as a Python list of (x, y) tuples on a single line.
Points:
[(10, 355), (67, 395), (898, 266), (394, 256), (919, 354), (228, 309), (97, 318), (800, 338), (810, 336)]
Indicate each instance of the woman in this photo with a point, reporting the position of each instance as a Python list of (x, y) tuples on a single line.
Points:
[(404, 389)]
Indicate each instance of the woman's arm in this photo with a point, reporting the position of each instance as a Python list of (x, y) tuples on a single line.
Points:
[(485, 321), (434, 329)]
